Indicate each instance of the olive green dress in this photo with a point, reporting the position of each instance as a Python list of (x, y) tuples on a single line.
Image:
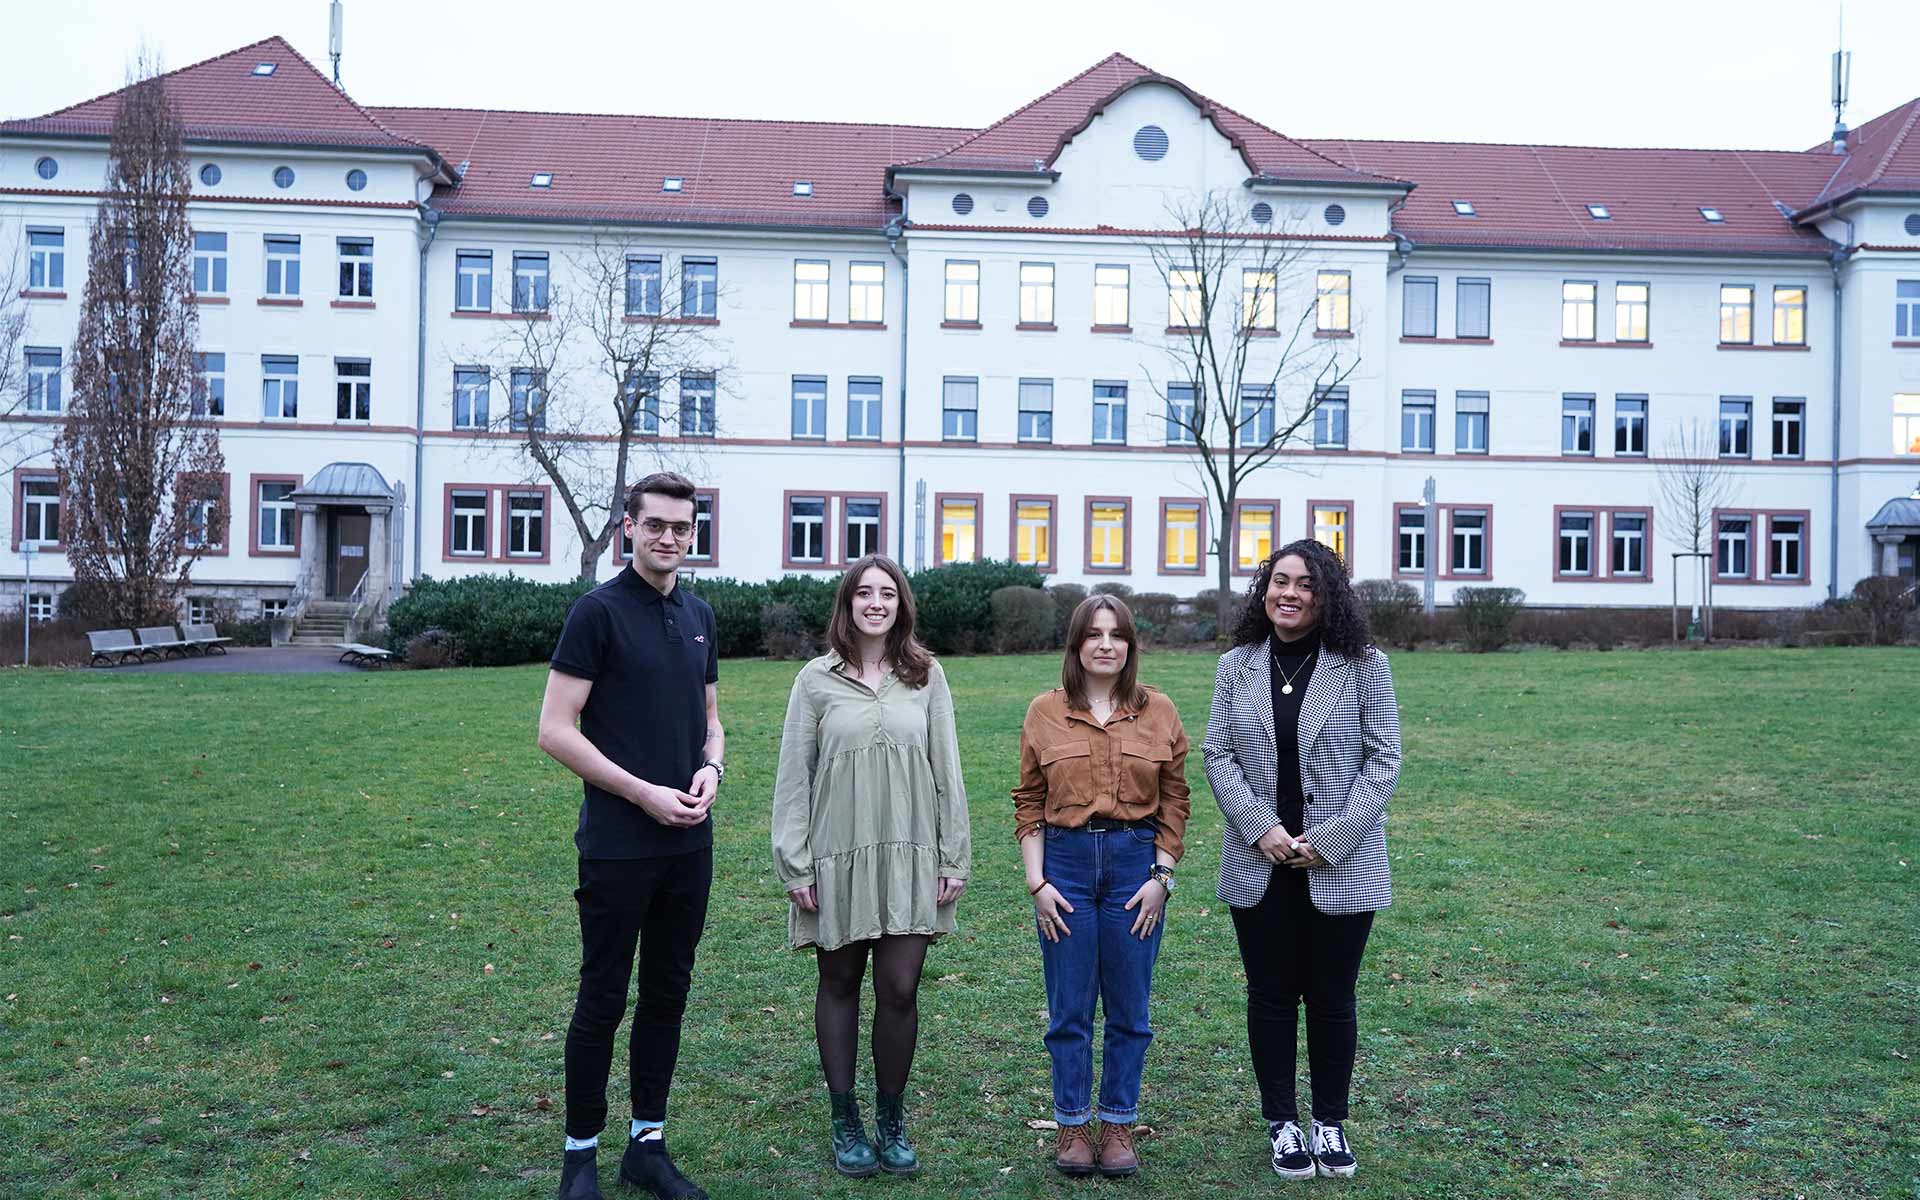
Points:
[(868, 806)]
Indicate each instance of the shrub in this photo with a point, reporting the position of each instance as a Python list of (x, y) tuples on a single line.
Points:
[(736, 613), (1393, 610), (1485, 615), (811, 598), (1023, 619), (1883, 602), (1206, 614), (493, 620), (61, 642), (94, 606), (785, 632), (431, 648), (1154, 615), (956, 601), (1114, 589), (1066, 598)]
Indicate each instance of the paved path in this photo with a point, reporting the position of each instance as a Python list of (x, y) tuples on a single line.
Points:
[(254, 660)]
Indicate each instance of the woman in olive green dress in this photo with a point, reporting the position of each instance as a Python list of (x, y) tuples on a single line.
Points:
[(871, 841)]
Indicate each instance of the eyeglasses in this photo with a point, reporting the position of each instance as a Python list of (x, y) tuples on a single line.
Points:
[(653, 527)]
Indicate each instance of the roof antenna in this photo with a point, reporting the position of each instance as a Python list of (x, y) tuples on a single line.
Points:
[(1842, 84), (333, 39)]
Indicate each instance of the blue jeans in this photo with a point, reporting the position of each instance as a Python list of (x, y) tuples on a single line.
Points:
[(1097, 873)]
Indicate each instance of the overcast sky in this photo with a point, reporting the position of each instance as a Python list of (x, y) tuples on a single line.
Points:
[(1695, 73)]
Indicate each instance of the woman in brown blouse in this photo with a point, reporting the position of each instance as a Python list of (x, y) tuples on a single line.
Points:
[(1100, 809)]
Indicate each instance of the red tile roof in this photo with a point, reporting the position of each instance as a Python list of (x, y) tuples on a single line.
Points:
[(1882, 155)]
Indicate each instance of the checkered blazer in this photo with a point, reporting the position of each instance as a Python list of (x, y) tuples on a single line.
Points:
[(1349, 762)]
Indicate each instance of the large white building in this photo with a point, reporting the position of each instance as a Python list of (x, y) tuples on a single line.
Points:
[(952, 342)]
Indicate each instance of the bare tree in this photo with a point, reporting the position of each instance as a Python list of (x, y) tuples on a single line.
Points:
[(1244, 372), (607, 375), (19, 440), (139, 470), (1694, 482)]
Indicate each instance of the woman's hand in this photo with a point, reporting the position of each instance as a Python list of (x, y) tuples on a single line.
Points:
[(1152, 901), (1048, 909), (950, 890), (1306, 856), (1277, 844), (805, 898)]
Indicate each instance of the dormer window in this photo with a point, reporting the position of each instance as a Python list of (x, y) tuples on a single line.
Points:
[(1464, 208), (803, 187), (265, 69), (672, 183), (541, 179), (1599, 212), (1711, 214)]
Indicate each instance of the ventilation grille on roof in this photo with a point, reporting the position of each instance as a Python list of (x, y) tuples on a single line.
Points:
[(1913, 225), (1335, 214), (1263, 213), (962, 203), (1037, 207), (1150, 143)]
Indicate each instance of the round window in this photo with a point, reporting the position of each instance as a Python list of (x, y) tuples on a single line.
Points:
[(1913, 224), (210, 175), (283, 177), (1037, 207), (356, 180), (1263, 213), (963, 203), (1150, 143), (46, 168), (1335, 214)]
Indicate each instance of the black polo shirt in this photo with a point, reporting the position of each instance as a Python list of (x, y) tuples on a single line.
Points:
[(650, 658)]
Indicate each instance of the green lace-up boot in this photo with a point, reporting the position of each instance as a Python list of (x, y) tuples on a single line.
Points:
[(890, 1125), (852, 1152)]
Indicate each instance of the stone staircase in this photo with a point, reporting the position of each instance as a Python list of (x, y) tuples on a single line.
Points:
[(324, 623)]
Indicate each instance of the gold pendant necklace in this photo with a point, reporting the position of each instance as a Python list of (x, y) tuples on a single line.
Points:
[(1286, 680)]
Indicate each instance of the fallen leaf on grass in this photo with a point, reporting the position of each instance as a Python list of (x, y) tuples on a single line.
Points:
[(948, 978), (1006, 1170), (774, 1150), (483, 1110), (305, 1156), (767, 1009), (487, 970), (1037, 1123), (1896, 1053), (543, 1103)]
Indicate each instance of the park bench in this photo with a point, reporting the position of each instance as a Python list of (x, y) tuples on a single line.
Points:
[(162, 641), (111, 647), (205, 639), (360, 654)]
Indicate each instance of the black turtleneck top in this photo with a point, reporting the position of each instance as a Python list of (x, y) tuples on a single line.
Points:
[(1292, 661)]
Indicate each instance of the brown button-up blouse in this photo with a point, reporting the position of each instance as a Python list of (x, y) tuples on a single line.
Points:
[(1072, 769)]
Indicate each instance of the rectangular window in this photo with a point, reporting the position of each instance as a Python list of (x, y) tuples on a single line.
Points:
[(1630, 426), (530, 282), (1733, 542), (1036, 293), (1473, 308), (705, 527), (963, 291), (1576, 425), (1789, 428), (811, 280), (356, 268), (1630, 303), (863, 527), (1110, 414), (1110, 309), (283, 266), (863, 408), (210, 385), (1180, 536), (807, 529), (867, 293), (276, 515), (1420, 306), (700, 288), (697, 405), (1789, 316), (1576, 544), (203, 531), (1253, 536), (1333, 296), (1256, 414), (1185, 309), (352, 389), (1331, 526), (643, 285), (1786, 548), (280, 387), (469, 535), (43, 380), (1259, 307), (473, 281), (470, 394), (40, 606), (209, 264), (526, 400), (809, 406), (1036, 410), (959, 530), (1736, 314), (1736, 427), (1416, 422), (1906, 309), (959, 409), (40, 512), (1906, 423), (526, 524), (1106, 535), (1033, 532), (645, 386), (1576, 310), (46, 260), (1330, 420), (1412, 544), (1471, 422), (1628, 556), (1468, 527), (1182, 414)]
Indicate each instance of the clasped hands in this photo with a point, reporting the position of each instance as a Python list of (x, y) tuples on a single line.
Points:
[(1285, 850), (675, 808)]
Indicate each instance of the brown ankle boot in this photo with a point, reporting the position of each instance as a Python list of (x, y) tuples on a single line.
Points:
[(1117, 1155), (1073, 1150)]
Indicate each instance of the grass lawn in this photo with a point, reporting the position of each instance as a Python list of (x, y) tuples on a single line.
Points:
[(1658, 934)]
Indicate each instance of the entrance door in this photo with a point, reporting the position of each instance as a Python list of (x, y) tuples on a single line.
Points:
[(347, 538)]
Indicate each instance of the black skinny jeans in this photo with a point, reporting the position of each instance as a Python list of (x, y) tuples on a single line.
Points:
[(659, 906), (1293, 951)]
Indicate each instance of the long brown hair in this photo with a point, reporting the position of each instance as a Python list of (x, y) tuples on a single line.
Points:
[(1073, 677), (908, 658)]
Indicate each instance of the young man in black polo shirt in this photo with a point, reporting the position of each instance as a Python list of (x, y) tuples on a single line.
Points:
[(636, 667)]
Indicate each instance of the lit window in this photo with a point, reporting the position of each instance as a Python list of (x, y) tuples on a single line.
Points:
[(1253, 539), (1333, 301), (1258, 308), (1180, 538), (963, 291), (1330, 525), (1906, 423), (1630, 301), (959, 529), (811, 279), (1184, 305), (1107, 536), (1110, 297), (1576, 310), (1036, 293), (1789, 316), (1736, 313), (867, 292), (1033, 533)]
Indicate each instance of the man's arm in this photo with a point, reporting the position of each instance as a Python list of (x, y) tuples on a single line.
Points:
[(561, 738), (706, 781)]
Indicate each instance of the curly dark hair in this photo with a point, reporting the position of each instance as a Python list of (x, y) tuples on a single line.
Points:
[(1342, 623)]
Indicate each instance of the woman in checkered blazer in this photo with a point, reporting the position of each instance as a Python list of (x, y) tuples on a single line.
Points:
[(1302, 752)]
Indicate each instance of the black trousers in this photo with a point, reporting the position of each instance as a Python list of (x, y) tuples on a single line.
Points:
[(657, 906), (1292, 952)]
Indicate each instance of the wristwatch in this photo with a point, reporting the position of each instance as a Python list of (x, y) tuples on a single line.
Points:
[(1163, 874), (719, 769)]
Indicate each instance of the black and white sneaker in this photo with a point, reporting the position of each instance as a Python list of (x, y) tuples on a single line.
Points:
[(1331, 1153), (1290, 1157)]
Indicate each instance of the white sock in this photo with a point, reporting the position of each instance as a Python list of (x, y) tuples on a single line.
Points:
[(646, 1131), (592, 1143)]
